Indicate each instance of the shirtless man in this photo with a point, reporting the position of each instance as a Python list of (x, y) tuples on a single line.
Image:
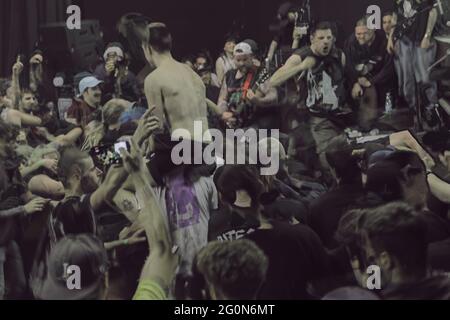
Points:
[(179, 96), (176, 90)]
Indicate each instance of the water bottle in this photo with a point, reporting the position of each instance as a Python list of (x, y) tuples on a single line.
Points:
[(388, 105)]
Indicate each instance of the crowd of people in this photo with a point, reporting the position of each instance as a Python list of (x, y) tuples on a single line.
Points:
[(93, 206)]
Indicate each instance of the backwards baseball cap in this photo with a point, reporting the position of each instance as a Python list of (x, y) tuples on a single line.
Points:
[(114, 47), (380, 155), (83, 251), (242, 48), (88, 82)]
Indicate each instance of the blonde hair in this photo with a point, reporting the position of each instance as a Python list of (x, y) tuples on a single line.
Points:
[(111, 112)]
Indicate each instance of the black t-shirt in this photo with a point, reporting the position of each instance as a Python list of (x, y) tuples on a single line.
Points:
[(326, 211), (418, 12), (295, 256), (227, 226), (282, 34), (378, 64), (325, 82), (237, 90), (73, 215)]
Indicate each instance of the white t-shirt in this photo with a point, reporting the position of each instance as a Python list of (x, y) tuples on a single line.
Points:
[(187, 208)]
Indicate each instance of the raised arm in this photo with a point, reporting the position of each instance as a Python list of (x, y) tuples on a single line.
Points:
[(294, 65), (115, 177), (16, 71), (161, 264)]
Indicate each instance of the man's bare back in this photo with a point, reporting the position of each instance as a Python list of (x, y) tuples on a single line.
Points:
[(179, 96)]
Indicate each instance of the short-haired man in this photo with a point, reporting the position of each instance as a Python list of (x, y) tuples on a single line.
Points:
[(394, 237), (323, 64), (232, 270), (85, 193), (370, 72), (244, 100), (83, 111), (176, 90)]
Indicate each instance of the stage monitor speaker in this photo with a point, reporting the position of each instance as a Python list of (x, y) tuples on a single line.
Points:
[(72, 50)]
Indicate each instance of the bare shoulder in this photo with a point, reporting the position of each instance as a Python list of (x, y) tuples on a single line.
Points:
[(193, 75), (294, 60), (153, 79)]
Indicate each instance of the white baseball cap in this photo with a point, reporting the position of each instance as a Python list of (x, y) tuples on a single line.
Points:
[(242, 48), (114, 48), (88, 82)]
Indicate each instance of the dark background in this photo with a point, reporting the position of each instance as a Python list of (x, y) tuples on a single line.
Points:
[(195, 24)]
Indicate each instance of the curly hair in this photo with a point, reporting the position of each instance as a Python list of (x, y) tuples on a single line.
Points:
[(236, 268)]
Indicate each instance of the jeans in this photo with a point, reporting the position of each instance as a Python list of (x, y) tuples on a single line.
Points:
[(324, 132), (411, 64)]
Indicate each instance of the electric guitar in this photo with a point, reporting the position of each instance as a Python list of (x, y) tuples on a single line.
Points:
[(242, 109)]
